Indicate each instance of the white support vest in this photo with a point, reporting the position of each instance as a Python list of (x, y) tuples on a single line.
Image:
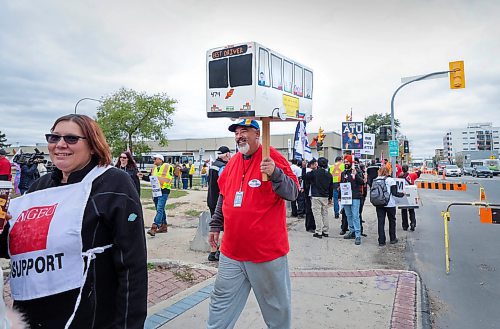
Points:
[(45, 242)]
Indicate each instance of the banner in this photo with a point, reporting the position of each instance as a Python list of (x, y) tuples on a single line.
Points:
[(301, 149), (352, 135), (368, 144)]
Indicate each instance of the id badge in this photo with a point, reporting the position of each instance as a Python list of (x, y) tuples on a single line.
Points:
[(238, 199)]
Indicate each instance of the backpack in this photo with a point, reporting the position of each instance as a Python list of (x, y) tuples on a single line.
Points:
[(379, 195)]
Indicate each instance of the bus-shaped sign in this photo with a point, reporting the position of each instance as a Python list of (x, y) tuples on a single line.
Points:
[(251, 81)]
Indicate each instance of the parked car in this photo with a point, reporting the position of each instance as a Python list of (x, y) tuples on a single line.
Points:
[(452, 170), (482, 171), (467, 171)]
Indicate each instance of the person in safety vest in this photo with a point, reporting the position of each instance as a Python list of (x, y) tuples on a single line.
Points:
[(75, 239), (192, 170), (164, 172), (336, 171)]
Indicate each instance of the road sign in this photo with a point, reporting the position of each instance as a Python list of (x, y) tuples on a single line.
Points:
[(393, 148)]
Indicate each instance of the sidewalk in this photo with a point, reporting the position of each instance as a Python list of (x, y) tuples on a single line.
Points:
[(334, 285), (320, 299)]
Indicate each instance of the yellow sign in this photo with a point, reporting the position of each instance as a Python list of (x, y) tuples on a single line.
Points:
[(291, 105), (457, 75)]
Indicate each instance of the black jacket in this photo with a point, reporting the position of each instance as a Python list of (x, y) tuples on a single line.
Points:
[(357, 183), (29, 173), (132, 172), (115, 293), (213, 183), (321, 183)]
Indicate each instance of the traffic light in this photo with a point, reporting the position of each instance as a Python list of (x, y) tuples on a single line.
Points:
[(406, 147), (457, 75), (383, 134), (321, 135)]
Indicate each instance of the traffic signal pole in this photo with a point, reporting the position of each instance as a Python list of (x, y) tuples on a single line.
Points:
[(393, 128)]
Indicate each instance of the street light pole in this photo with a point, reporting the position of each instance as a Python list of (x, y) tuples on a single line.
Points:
[(393, 128), (91, 99)]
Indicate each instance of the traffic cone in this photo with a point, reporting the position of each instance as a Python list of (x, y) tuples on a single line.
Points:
[(482, 195), (444, 175)]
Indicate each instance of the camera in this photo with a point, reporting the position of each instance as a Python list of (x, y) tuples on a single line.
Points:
[(29, 158)]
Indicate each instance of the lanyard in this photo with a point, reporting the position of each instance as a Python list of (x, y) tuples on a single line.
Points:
[(245, 169)]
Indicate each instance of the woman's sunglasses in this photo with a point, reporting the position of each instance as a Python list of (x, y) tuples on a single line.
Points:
[(123, 158), (69, 139)]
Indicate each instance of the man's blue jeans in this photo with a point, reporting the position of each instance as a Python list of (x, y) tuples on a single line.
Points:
[(160, 202), (352, 213), (336, 207)]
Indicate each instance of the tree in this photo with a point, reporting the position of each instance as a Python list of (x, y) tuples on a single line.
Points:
[(375, 121), (129, 118), (3, 141)]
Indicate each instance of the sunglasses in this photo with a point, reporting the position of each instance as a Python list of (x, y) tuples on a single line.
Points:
[(123, 158), (69, 139)]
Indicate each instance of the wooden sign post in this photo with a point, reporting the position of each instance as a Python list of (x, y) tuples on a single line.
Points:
[(266, 141)]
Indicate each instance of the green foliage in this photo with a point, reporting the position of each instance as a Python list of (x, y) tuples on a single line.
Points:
[(129, 118), (3, 141), (374, 121)]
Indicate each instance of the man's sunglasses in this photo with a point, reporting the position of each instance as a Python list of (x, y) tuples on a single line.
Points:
[(69, 139)]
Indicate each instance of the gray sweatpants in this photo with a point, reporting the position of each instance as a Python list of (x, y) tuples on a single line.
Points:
[(270, 282)]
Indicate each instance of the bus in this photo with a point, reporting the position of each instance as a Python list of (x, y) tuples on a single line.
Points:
[(492, 164), (249, 80), (145, 161)]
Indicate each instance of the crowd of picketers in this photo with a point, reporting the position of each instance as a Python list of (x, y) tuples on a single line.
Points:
[(320, 191)]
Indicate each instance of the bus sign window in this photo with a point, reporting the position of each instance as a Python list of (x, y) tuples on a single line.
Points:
[(229, 52)]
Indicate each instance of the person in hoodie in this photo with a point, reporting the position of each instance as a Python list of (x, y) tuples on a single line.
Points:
[(355, 177), (321, 182)]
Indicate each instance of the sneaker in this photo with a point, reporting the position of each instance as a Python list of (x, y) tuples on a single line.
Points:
[(336, 215), (381, 244), (362, 234), (357, 241), (211, 257), (319, 236), (405, 228), (394, 241), (325, 235), (412, 228), (349, 235), (342, 232), (217, 255)]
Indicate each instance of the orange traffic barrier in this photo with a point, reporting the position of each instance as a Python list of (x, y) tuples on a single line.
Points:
[(442, 186), (489, 215)]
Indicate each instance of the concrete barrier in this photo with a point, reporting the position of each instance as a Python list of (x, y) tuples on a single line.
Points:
[(200, 241)]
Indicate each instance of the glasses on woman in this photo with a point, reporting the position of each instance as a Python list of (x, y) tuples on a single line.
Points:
[(69, 139)]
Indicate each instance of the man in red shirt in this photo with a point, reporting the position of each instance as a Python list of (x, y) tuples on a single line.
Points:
[(5, 166), (255, 241)]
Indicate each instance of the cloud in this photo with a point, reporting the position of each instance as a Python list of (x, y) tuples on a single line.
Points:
[(57, 52)]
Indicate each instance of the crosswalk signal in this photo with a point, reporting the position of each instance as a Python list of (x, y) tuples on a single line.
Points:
[(406, 147), (457, 75), (383, 134)]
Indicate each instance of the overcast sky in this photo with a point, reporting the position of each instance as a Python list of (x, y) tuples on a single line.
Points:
[(53, 53)]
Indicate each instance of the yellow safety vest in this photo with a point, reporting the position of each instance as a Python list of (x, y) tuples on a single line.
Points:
[(164, 171), (336, 171), (192, 169)]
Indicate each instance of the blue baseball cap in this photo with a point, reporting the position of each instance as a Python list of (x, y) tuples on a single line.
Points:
[(244, 123)]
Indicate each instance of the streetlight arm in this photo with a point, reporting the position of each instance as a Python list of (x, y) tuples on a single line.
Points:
[(91, 99), (393, 159)]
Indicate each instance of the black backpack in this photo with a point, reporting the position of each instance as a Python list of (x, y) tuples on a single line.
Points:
[(379, 195)]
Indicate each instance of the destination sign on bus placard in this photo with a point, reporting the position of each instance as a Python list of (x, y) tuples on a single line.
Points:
[(230, 51)]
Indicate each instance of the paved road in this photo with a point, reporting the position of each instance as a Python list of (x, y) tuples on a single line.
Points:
[(467, 297)]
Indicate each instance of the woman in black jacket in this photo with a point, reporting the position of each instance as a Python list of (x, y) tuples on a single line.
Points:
[(126, 163), (78, 232)]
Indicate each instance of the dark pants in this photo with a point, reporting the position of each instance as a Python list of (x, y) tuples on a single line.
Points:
[(404, 216), (391, 215), (184, 183), (310, 223), (190, 181), (298, 206)]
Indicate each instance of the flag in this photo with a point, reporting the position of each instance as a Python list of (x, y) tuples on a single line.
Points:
[(301, 149)]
